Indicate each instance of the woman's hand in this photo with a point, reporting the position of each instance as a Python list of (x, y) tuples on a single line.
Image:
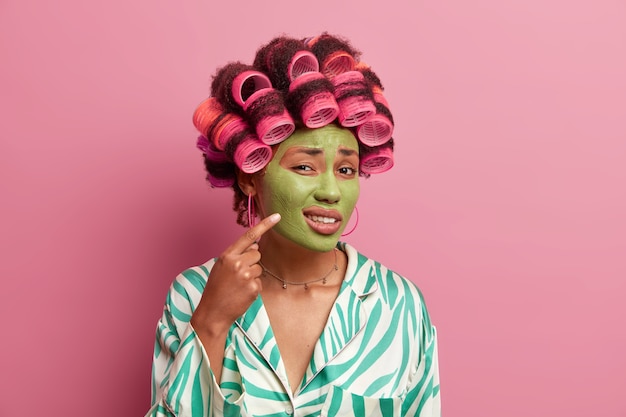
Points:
[(233, 283), (232, 286)]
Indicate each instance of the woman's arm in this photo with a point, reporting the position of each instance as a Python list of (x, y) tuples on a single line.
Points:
[(201, 306), (183, 383)]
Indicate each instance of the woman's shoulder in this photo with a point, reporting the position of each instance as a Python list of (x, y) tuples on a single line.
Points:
[(371, 275), (187, 287), (378, 285), (195, 275)]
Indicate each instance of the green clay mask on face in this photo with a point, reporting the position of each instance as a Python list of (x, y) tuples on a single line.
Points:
[(312, 181)]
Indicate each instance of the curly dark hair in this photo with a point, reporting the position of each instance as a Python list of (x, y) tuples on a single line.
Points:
[(227, 121)]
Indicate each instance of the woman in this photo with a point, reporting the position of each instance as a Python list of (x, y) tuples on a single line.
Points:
[(288, 320)]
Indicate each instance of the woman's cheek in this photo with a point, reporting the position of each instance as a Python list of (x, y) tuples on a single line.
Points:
[(350, 192), (287, 197)]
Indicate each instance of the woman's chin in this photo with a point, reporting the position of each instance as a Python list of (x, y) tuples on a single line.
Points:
[(313, 241)]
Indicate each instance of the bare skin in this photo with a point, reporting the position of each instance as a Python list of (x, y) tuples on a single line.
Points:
[(298, 316)]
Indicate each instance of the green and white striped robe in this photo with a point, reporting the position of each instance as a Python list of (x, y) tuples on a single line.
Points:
[(377, 355)]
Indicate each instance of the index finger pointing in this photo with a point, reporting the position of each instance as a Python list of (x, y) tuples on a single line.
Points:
[(253, 234)]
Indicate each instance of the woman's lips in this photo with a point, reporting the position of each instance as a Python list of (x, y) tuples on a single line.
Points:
[(325, 222)]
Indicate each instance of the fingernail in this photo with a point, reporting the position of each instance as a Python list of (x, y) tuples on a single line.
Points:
[(274, 218)]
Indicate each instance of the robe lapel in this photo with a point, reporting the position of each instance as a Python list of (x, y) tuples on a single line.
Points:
[(348, 315), (255, 324), (347, 318)]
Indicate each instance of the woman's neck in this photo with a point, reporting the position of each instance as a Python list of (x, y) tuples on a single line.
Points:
[(292, 262)]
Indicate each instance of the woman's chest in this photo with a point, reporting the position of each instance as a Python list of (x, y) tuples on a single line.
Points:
[(371, 357), (355, 381)]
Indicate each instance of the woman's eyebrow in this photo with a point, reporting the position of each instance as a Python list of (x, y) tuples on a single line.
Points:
[(309, 151), (346, 152)]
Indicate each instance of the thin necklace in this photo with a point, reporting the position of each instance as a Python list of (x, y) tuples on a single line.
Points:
[(306, 284)]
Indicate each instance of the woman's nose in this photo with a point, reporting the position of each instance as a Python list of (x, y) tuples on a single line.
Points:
[(328, 188)]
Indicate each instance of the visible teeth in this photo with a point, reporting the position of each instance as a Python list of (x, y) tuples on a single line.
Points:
[(321, 219)]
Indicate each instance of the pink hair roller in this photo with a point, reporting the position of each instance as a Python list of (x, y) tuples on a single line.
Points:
[(249, 83), (275, 129), (379, 161), (252, 155), (202, 144), (206, 114), (320, 108), (217, 157), (377, 129), (337, 63), (228, 127), (302, 63), (353, 109), (271, 129)]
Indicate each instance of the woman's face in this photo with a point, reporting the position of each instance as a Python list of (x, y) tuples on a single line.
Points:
[(312, 181)]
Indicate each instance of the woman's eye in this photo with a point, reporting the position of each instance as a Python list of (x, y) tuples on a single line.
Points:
[(347, 171), (303, 168)]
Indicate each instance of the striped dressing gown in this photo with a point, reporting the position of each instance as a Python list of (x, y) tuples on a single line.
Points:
[(377, 355)]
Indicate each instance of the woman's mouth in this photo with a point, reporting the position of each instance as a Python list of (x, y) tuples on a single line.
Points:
[(325, 222), (322, 219)]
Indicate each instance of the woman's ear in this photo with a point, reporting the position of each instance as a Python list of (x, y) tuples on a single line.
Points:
[(246, 182)]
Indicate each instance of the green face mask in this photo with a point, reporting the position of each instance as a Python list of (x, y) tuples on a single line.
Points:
[(312, 181)]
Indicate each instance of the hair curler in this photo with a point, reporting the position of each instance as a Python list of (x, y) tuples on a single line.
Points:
[(225, 129), (354, 98), (377, 129), (337, 63), (217, 125), (202, 143), (253, 92), (252, 155), (335, 55), (302, 62), (310, 96), (376, 160), (206, 114), (220, 172)]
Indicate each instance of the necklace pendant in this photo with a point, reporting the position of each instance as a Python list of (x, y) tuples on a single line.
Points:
[(306, 286), (324, 281), (284, 285)]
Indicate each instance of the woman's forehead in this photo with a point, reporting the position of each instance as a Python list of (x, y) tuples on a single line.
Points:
[(328, 138)]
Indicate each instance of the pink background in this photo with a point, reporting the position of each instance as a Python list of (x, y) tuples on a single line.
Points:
[(506, 204)]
